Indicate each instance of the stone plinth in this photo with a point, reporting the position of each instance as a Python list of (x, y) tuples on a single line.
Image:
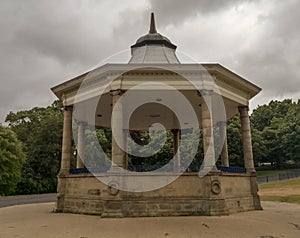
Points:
[(214, 194)]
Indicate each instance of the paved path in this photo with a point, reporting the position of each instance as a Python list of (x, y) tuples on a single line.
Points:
[(27, 199)]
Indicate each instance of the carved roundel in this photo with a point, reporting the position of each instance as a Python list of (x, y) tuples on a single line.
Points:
[(216, 186), (113, 188)]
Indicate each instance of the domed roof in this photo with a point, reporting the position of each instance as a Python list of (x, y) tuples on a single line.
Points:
[(153, 48)]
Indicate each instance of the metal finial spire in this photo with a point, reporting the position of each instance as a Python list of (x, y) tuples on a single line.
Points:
[(152, 24)]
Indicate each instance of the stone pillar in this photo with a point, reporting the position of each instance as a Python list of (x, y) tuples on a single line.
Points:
[(208, 130), (66, 141), (176, 135), (246, 138), (80, 144), (118, 156), (223, 136)]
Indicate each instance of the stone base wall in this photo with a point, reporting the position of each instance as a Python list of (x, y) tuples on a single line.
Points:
[(214, 194)]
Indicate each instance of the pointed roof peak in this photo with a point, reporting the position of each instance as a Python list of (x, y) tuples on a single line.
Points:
[(153, 37), (152, 25)]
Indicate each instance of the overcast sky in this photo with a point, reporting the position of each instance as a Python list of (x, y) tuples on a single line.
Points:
[(44, 43)]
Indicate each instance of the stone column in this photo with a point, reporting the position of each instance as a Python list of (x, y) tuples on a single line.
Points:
[(176, 135), (66, 141), (207, 130), (118, 156), (246, 138), (80, 144), (223, 135)]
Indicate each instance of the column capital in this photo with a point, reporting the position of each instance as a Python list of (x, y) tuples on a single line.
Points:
[(243, 108), (116, 92), (204, 92), (174, 130), (222, 123), (68, 108), (82, 123)]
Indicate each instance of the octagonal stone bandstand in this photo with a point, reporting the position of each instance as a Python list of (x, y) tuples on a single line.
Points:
[(223, 190)]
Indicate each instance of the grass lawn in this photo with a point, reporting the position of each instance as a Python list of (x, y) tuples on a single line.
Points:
[(274, 172), (282, 191)]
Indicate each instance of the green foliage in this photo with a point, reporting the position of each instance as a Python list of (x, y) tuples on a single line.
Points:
[(276, 127), (290, 131), (165, 152), (40, 130), (93, 154), (235, 146), (163, 156), (259, 147), (11, 161)]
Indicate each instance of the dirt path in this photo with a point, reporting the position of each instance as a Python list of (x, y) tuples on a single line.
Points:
[(278, 220)]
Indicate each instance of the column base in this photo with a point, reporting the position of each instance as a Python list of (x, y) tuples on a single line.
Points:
[(251, 170), (115, 169)]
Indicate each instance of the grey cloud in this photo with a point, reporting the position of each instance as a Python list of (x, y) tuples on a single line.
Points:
[(59, 31), (44, 43), (177, 12), (273, 60)]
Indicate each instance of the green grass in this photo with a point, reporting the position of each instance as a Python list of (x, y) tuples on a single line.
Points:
[(274, 172), (290, 199), (293, 184)]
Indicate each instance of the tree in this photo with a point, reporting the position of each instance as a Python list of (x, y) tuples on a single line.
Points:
[(262, 116), (11, 161), (290, 131), (40, 130), (235, 146), (276, 129), (259, 147)]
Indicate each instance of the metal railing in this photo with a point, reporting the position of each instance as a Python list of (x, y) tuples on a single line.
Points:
[(279, 177), (148, 168), (103, 169)]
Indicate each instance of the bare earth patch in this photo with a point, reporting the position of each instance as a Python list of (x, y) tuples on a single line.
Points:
[(278, 220)]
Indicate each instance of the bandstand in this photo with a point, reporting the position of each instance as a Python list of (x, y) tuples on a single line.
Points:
[(97, 190)]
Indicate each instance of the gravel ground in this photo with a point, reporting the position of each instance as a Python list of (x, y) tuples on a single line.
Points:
[(277, 220)]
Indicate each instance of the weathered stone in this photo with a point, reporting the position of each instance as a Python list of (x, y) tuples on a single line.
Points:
[(113, 205), (188, 195), (94, 191)]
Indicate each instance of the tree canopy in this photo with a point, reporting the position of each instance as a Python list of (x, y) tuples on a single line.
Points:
[(40, 130), (278, 126), (11, 160)]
